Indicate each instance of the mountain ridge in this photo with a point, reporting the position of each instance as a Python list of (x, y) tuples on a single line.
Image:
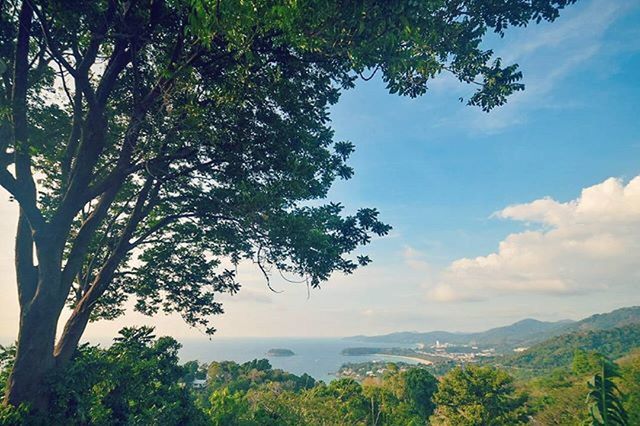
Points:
[(524, 332)]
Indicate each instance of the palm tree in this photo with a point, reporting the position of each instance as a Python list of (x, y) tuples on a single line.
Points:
[(604, 398)]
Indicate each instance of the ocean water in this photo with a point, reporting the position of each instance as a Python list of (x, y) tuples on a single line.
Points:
[(320, 358)]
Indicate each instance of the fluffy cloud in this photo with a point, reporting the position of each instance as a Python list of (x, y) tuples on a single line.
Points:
[(591, 243)]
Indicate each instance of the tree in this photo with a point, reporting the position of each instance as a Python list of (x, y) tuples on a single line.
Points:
[(475, 395), (353, 406), (227, 408), (400, 397), (585, 362), (604, 398), (420, 387), (147, 141), (194, 370), (557, 398)]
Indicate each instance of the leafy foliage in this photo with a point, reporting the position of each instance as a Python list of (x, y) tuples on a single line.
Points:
[(193, 370), (253, 374), (630, 385), (478, 395), (255, 394), (557, 398), (136, 381), (604, 397), (586, 362)]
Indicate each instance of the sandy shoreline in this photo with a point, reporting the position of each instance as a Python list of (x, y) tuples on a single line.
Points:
[(418, 360)]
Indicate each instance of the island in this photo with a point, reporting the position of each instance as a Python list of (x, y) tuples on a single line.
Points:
[(361, 351), (280, 352)]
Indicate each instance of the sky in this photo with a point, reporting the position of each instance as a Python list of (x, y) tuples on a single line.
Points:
[(529, 211)]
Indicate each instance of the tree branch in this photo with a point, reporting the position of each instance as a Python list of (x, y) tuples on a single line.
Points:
[(22, 187), (85, 234), (74, 139), (80, 316), (81, 78), (27, 202), (26, 272)]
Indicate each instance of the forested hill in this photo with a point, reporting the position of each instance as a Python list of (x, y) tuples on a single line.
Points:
[(618, 318), (559, 351), (522, 333)]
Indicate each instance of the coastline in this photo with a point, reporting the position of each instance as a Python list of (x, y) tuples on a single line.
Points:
[(418, 360)]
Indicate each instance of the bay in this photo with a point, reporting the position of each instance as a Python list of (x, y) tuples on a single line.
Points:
[(320, 358)]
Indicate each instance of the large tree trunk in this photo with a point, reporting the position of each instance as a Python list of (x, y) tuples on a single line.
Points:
[(34, 357), (39, 316)]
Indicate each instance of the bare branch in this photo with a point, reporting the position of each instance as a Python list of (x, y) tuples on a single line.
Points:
[(264, 271)]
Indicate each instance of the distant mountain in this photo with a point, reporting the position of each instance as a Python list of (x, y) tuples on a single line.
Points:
[(559, 351), (521, 333), (408, 337), (502, 337), (526, 332)]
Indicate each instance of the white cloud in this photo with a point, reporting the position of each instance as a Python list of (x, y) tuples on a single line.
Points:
[(591, 243), (414, 259), (446, 293)]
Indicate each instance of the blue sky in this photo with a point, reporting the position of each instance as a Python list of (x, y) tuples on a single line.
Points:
[(532, 210), (438, 169)]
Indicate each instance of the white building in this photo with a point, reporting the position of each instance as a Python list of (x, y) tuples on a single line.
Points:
[(199, 383)]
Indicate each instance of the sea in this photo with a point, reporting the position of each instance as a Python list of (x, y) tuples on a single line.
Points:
[(319, 358)]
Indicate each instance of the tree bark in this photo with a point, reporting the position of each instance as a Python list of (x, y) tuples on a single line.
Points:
[(73, 330), (38, 321), (34, 356)]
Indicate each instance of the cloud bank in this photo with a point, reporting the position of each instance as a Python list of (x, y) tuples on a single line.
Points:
[(588, 244)]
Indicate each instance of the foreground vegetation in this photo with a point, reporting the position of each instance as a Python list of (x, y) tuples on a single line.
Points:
[(139, 381)]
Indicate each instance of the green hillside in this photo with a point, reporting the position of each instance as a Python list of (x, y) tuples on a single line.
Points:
[(618, 318), (558, 351)]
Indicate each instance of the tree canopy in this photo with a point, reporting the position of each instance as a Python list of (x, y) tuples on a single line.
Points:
[(153, 145), (478, 395)]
